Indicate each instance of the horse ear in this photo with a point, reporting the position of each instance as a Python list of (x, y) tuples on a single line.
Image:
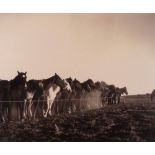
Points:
[(25, 72), (18, 72)]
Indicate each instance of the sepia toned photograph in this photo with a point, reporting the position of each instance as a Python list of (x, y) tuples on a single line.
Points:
[(77, 77)]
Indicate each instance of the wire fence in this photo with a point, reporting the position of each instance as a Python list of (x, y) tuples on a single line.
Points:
[(56, 100)]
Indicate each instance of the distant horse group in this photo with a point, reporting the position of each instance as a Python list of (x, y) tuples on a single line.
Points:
[(54, 95)]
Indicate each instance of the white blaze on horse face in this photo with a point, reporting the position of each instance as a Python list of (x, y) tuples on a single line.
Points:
[(67, 86)]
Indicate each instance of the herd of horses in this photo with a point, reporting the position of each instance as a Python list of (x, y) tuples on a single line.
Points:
[(37, 97)]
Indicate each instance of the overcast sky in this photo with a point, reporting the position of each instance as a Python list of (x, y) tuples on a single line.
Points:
[(116, 48)]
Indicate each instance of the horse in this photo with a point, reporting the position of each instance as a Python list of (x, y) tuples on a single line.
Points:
[(75, 94), (62, 100), (103, 88), (75, 86), (111, 94), (119, 92), (152, 95), (91, 84), (52, 87), (70, 81), (17, 94), (34, 92), (4, 98), (85, 86)]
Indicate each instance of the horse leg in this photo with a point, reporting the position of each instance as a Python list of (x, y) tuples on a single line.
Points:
[(114, 100), (47, 108), (18, 112), (4, 108), (9, 111), (25, 113), (70, 108), (61, 110), (118, 99), (50, 107), (109, 101), (21, 111), (34, 115), (2, 112), (29, 108)]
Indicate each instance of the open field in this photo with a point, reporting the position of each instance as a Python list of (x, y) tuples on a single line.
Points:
[(132, 121)]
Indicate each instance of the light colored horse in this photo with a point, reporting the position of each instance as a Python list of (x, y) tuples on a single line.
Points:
[(51, 92)]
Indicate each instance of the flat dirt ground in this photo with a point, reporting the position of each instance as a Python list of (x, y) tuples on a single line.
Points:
[(132, 121)]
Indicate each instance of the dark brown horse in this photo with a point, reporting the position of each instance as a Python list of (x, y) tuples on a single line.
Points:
[(33, 94), (103, 88), (4, 98), (119, 92), (111, 94), (115, 94), (17, 94), (75, 95)]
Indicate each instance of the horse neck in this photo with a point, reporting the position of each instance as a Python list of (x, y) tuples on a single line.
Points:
[(47, 82)]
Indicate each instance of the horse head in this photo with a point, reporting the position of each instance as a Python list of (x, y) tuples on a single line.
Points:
[(91, 83), (21, 76), (20, 79), (124, 90), (67, 86), (70, 81), (98, 85), (86, 86), (77, 85), (58, 81)]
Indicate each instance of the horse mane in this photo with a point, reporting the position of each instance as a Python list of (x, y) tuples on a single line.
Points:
[(48, 82)]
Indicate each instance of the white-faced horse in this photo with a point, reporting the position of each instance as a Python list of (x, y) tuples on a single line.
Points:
[(62, 101), (52, 87)]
